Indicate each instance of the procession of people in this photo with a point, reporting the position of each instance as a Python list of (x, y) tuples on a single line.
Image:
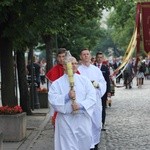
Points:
[(79, 95)]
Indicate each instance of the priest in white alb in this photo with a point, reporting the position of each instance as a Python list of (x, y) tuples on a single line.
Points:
[(75, 106), (96, 77)]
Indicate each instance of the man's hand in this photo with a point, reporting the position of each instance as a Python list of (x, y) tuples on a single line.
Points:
[(72, 94), (95, 84), (75, 106)]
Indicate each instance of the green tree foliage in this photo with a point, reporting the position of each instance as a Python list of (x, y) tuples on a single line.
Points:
[(122, 23), (104, 42), (24, 22), (82, 36)]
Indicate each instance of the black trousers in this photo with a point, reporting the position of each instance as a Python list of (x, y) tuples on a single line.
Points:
[(103, 114), (104, 103)]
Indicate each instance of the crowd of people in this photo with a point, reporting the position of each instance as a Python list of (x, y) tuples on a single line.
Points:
[(136, 67), (79, 113)]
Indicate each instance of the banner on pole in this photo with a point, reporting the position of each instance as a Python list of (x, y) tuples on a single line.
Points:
[(146, 25)]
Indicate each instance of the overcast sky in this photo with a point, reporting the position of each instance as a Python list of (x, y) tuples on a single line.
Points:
[(104, 17)]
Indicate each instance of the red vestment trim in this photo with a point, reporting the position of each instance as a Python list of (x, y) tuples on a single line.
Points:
[(55, 73)]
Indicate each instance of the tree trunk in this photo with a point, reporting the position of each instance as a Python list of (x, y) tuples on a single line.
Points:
[(23, 86), (49, 59), (7, 74)]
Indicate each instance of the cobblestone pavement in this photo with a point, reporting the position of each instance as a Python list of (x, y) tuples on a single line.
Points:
[(128, 120), (127, 123)]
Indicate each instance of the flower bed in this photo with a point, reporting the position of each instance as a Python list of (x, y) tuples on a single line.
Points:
[(6, 110), (12, 123)]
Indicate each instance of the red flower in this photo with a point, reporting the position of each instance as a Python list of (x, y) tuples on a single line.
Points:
[(6, 110)]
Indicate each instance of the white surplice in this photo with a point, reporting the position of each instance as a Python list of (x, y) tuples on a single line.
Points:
[(73, 131), (94, 74)]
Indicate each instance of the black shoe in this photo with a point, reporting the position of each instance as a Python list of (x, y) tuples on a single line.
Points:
[(103, 128), (96, 147)]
